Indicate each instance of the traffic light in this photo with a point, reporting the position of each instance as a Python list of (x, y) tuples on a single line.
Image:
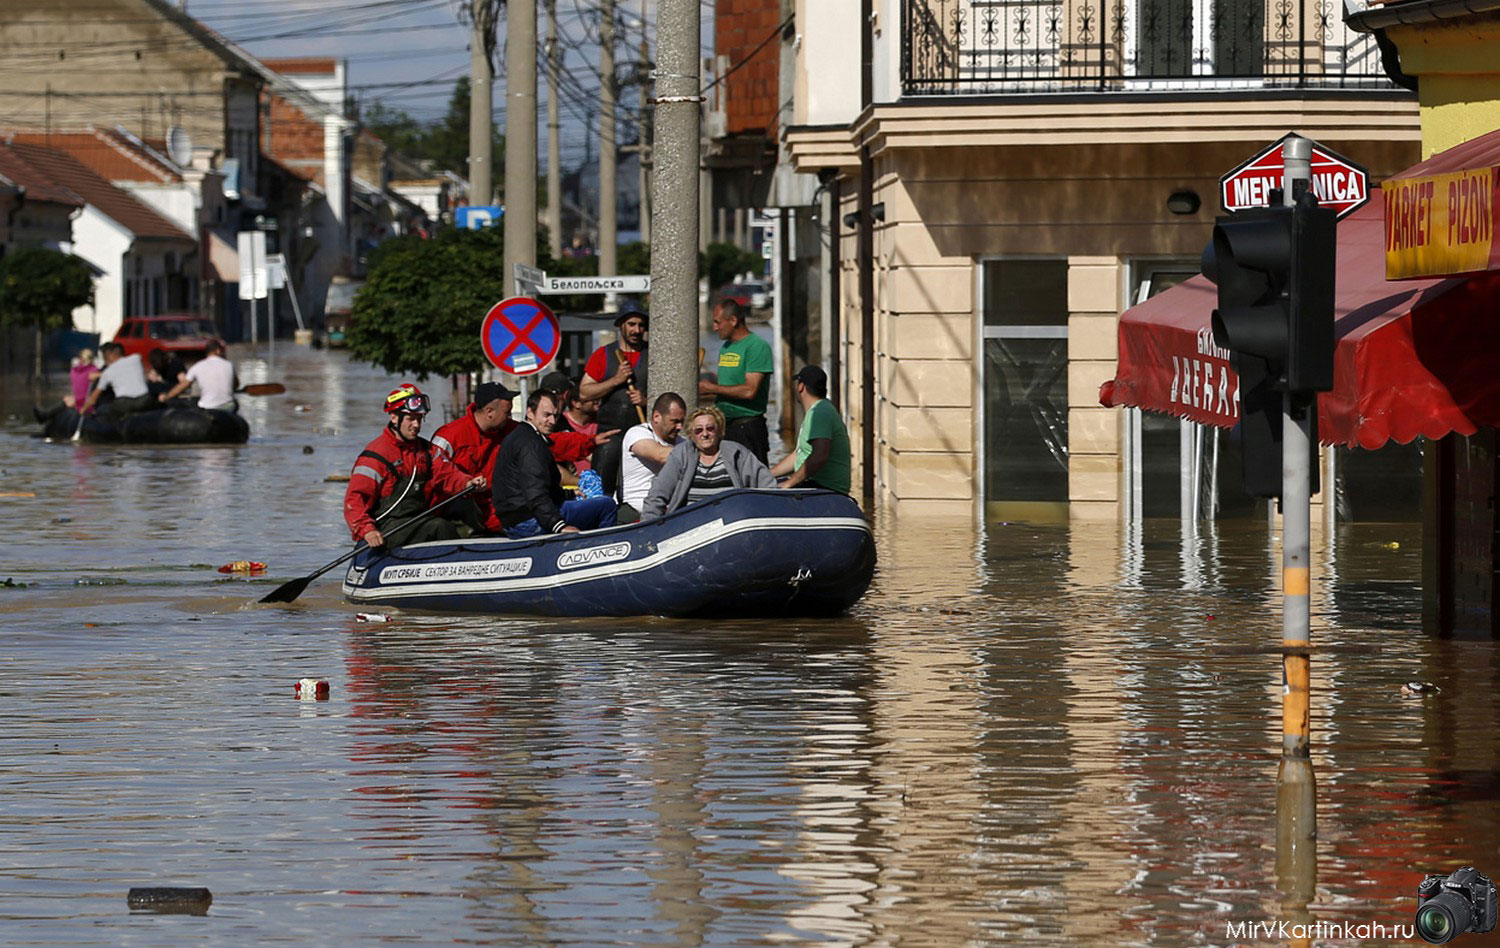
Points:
[(1274, 267), (1275, 270)]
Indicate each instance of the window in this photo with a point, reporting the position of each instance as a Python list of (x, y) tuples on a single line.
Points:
[(1025, 352)]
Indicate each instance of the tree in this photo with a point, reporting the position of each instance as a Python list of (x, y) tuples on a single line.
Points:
[(419, 312), (723, 263), (40, 287), (443, 141)]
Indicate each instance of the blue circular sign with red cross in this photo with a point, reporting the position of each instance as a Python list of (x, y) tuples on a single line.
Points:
[(520, 335)]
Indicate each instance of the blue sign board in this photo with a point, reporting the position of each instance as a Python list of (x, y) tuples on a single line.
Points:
[(477, 217), (520, 335)]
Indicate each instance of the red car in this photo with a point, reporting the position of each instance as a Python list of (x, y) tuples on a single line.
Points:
[(183, 334)]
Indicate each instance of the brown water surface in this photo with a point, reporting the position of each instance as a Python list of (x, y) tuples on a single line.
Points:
[(1054, 735)]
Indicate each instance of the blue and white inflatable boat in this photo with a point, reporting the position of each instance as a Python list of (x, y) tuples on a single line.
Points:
[(742, 553)]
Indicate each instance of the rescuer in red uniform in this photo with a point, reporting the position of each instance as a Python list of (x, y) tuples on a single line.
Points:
[(400, 475), (471, 441)]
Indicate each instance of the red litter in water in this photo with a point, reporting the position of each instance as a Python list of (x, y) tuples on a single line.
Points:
[(243, 566), (312, 689)]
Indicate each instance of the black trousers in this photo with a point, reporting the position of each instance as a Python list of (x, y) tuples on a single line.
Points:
[(751, 432), (606, 460)]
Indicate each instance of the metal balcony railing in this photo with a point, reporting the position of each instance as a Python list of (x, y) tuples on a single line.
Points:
[(969, 47)]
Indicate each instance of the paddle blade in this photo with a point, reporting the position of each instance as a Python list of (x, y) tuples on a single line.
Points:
[(287, 592), (264, 388)]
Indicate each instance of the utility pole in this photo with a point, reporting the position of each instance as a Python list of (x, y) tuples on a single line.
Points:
[(520, 136), (674, 258), (481, 78), (608, 152), (643, 148), (554, 126)]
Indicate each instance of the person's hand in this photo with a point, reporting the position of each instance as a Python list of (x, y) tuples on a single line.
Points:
[(373, 538), (570, 530), (161, 397), (703, 385), (623, 373), (637, 397), (477, 481), (784, 485), (604, 436)]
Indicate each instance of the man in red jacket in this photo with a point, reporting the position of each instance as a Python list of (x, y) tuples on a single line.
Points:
[(399, 475), (471, 441)]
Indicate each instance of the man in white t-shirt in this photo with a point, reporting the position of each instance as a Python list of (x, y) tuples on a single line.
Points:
[(124, 377), (215, 377), (644, 451)]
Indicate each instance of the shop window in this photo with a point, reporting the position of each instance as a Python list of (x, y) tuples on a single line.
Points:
[(1025, 352)]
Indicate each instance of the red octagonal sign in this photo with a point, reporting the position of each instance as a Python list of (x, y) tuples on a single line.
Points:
[(1338, 182)]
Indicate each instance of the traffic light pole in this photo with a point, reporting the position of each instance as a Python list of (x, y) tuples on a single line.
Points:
[(1296, 786)]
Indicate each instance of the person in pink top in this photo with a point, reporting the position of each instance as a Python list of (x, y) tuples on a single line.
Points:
[(81, 378)]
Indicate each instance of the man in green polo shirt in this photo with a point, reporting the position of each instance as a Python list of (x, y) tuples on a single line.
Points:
[(745, 365), (822, 455)]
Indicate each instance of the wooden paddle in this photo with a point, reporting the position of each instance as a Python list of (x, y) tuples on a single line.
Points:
[(640, 410), (262, 388), (289, 591)]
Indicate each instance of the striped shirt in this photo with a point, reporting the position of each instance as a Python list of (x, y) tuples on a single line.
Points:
[(709, 480)]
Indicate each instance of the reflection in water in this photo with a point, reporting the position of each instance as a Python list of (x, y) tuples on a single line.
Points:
[(1052, 734)]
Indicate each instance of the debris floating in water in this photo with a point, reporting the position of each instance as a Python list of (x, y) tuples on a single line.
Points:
[(243, 566), (1414, 688), (301, 408), (12, 584), (307, 449), (336, 479), (371, 617), (17, 493), (193, 900), (311, 689)]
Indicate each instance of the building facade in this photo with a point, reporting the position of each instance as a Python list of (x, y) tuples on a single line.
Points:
[(999, 183)]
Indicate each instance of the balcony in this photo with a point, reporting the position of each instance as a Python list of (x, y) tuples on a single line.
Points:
[(989, 47)]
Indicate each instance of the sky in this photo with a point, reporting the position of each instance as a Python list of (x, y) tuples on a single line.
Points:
[(406, 54)]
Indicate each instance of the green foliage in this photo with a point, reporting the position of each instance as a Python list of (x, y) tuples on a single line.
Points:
[(418, 313), (444, 142), (725, 262), (40, 288)]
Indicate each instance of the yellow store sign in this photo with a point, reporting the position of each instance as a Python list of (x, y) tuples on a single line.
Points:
[(1439, 224)]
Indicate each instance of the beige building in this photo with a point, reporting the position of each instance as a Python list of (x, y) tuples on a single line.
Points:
[(999, 183)]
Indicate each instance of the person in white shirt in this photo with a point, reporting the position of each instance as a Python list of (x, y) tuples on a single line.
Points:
[(215, 377), (124, 377), (645, 448)]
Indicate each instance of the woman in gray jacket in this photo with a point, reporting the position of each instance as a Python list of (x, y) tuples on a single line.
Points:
[(702, 466)]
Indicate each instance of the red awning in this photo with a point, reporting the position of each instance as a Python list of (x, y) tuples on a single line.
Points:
[(1414, 357)]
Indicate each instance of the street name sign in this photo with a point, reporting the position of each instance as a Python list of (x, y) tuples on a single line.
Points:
[(1339, 183), (603, 284), (529, 275), (520, 335)]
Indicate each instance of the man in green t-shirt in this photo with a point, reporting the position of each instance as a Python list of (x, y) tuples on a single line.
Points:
[(822, 455), (745, 365)]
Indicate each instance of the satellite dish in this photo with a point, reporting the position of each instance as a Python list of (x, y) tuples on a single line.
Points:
[(180, 146)]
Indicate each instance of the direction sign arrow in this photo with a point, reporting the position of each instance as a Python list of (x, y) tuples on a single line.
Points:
[(1339, 183), (520, 335)]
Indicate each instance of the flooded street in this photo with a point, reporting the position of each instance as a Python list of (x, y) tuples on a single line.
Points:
[(1055, 735)]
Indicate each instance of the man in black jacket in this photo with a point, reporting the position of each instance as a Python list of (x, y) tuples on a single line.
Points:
[(526, 485)]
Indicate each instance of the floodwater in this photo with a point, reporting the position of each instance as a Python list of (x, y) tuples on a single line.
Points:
[(1052, 735)]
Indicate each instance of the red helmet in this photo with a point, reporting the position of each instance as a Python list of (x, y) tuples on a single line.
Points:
[(408, 399)]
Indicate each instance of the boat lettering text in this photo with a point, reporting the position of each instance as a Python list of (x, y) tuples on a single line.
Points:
[(475, 569), (573, 559)]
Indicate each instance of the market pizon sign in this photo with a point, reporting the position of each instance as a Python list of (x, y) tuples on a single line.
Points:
[(1339, 183)]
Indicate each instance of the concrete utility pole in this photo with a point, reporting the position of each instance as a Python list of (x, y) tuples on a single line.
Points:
[(481, 78), (520, 136), (674, 257), (643, 150), (608, 151), (554, 127)]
